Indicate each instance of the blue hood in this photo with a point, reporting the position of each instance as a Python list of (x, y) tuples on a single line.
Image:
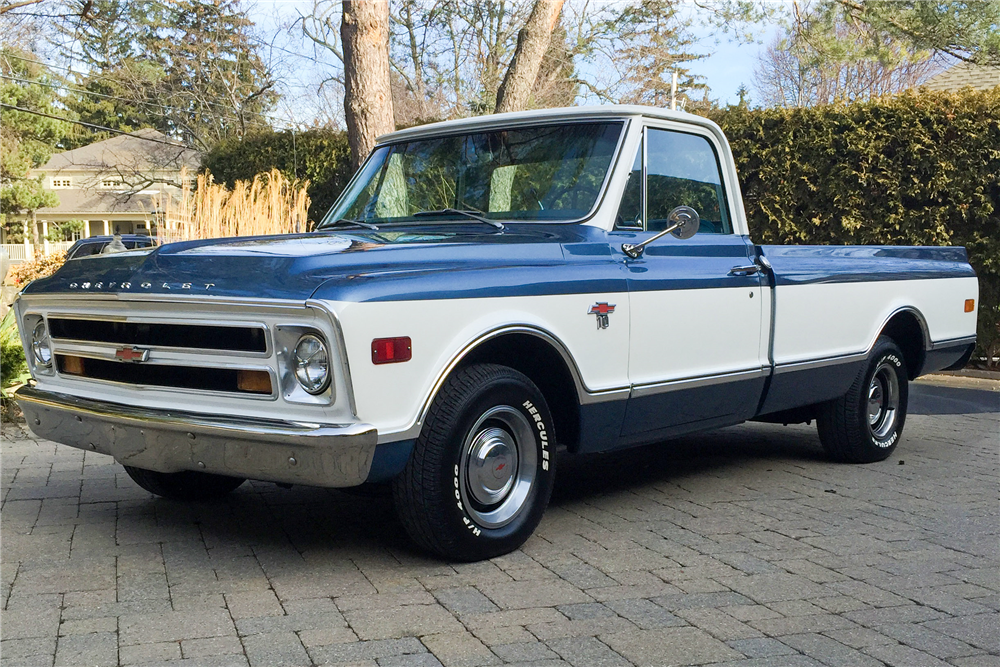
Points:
[(390, 264)]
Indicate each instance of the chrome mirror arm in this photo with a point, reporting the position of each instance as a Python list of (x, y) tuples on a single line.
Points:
[(634, 250), (686, 222)]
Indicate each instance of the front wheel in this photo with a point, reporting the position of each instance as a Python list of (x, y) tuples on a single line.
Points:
[(186, 485), (482, 470), (864, 425)]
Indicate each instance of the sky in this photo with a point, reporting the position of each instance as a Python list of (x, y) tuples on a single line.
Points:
[(729, 64)]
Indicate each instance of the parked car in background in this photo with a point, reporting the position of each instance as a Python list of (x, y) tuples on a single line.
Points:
[(485, 294), (95, 245)]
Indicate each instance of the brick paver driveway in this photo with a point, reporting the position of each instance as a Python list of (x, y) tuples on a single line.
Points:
[(740, 547)]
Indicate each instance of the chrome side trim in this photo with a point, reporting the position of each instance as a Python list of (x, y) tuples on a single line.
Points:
[(584, 394), (920, 320), (810, 364), (338, 332), (330, 455), (654, 388), (953, 342)]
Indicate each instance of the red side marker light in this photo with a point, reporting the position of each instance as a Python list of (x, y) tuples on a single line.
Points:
[(391, 350), (970, 305)]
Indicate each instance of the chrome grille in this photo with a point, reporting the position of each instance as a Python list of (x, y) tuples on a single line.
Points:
[(155, 334), (142, 351)]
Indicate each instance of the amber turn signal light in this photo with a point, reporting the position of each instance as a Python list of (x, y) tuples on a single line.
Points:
[(70, 365), (970, 305), (254, 382), (391, 350)]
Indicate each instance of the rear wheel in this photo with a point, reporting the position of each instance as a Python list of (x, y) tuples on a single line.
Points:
[(482, 470), (864, 425), (186, 485)]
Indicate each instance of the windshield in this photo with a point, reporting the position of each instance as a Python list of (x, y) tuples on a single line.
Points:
[(547, 173)]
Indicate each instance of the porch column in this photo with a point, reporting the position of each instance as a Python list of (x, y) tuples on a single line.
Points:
[(107, 228), (29, 249), (86, 229), (45, 237)]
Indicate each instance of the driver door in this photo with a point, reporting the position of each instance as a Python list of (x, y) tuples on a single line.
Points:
[(695, 306)]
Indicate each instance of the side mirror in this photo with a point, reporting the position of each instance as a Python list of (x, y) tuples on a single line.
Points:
[(683, 222)]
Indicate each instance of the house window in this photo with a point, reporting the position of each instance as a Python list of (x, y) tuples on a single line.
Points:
[(109, 184), (61, 183)]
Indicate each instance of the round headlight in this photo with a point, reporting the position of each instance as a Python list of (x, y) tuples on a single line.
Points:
[(40, 347), (312, 364)]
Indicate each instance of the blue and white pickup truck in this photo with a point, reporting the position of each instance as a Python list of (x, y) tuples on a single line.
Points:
[(487, 293)]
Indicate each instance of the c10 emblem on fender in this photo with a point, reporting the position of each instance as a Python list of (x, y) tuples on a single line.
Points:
[(602, 310)]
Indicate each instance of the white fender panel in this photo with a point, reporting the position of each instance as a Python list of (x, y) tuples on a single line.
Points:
[(824, 320), (392, 396)]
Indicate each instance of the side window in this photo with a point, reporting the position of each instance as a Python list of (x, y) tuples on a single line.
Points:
[(630, 209), (683, 170)]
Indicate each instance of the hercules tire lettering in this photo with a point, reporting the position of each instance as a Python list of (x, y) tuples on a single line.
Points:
[(843, 422), (428, 494)]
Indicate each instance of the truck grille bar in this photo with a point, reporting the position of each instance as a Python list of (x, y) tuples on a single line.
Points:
[(204, 337)]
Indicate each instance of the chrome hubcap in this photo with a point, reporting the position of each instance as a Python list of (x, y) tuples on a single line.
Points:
[(883, 401), (497, 466), (492, 462)]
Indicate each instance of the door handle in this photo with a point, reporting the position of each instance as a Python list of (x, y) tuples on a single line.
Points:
[(744, 270)]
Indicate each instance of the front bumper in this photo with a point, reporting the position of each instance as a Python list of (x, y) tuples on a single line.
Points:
[(330, 455)]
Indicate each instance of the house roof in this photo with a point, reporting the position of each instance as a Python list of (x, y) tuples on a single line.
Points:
[(79, 201), (130, 152), (962, 75)]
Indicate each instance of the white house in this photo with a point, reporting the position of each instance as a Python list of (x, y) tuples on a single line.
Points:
[(117, 185)]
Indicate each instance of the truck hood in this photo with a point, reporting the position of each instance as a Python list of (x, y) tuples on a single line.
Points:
[(352, 265)]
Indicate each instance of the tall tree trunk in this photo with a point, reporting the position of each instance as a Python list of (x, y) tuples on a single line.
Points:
[(532, 43), (364, 31)]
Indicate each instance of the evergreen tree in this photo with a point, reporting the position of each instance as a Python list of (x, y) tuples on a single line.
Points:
[(26, 140), (189, 68)]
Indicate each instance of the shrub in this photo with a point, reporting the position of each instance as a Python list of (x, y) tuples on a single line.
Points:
[(40, 267), (321, 156), (921, 168), (13, 365)]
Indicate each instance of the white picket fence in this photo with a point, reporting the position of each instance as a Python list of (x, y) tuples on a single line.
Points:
[(22, 252)]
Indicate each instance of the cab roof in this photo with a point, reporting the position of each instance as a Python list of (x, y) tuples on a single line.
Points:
[(595, 112)]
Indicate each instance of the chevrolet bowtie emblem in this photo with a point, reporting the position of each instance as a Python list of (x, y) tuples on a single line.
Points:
[(133, 354), (602, 310)]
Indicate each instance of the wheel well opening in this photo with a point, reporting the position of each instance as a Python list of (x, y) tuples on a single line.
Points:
[(541, 362), (905, 329)]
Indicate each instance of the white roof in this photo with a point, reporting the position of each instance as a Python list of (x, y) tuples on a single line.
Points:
[(541, 115)]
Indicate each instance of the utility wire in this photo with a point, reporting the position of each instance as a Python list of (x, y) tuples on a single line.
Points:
[(122, 99), (103, 77), (93, 126)]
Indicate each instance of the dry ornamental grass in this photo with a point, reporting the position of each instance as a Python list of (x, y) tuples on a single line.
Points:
[(270, 204)]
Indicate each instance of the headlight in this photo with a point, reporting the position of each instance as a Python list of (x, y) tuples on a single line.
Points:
[(312, 364), (41, 349)]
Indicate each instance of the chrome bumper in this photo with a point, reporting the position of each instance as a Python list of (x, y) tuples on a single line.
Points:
[(331, 455)]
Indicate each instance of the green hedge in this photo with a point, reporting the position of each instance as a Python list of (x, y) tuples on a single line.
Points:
[(322, 156), (916, 169)]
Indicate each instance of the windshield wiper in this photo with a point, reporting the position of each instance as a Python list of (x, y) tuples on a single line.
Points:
[(348, 221), (467, 214)]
